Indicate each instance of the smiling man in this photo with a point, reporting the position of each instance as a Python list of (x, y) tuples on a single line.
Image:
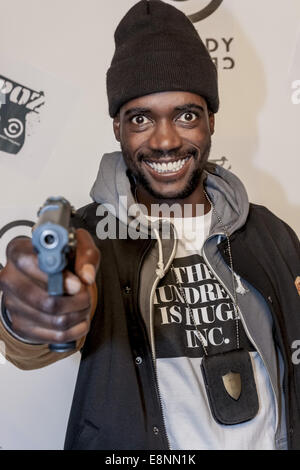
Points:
[(165, 141), (186, 339)]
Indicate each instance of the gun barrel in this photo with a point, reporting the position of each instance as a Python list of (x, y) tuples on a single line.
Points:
[(51, 240), (50, 237)]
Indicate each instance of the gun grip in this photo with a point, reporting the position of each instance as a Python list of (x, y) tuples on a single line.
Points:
[(55, 284), (55, 287), (62, 347)]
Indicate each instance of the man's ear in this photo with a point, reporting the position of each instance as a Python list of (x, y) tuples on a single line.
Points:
[(211, 120), (116, 126)]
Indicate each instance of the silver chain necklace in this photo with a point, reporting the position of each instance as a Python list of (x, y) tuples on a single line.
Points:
[(235, 303), (228, 377)]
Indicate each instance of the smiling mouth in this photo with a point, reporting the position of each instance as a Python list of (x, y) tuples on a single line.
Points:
[(168, 167)]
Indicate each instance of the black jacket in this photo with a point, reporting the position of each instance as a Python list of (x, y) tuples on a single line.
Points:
[(116, 403)]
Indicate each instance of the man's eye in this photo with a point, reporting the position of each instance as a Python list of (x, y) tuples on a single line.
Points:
[(140, 119), (188, 117)]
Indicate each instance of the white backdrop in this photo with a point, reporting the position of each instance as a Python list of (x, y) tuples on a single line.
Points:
[(63, 49)]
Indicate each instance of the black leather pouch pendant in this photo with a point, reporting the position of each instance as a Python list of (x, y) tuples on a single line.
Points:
[(230, 386)]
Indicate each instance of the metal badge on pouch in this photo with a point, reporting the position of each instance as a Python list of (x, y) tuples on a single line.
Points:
[(54, 241)]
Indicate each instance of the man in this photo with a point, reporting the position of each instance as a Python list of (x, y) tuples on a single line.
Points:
[(185, 333)]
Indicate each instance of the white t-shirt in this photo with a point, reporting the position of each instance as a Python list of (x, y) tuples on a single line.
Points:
[(188, 419)]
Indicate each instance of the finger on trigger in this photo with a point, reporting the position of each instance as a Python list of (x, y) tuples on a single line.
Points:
[(72, 283), (87, 257)]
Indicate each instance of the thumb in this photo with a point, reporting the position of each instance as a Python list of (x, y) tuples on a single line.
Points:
[(87, 258)]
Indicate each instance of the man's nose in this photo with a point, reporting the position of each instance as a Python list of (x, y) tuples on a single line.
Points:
[(165, 136)]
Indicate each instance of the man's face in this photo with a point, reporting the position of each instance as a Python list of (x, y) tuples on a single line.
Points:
[(165, 139)]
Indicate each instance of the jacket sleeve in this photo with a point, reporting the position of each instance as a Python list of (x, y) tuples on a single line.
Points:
[(27, 356)]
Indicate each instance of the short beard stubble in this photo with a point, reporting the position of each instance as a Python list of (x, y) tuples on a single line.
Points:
[(190, 187)]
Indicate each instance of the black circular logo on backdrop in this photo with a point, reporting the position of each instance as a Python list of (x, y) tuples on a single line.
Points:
[(12, 225), (16, 102), (205, 12)]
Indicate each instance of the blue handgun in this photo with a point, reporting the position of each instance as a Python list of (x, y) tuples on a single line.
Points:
[(54, 240)]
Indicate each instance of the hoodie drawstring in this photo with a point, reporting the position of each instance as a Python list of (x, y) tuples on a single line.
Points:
[(240, 289), (160, 271)]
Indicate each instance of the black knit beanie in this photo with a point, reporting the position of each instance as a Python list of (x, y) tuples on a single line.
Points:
[(158, 49)]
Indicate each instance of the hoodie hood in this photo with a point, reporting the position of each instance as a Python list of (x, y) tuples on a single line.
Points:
[(225, 190)]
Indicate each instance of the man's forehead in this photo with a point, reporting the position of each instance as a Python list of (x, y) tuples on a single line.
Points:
[(164, 101)]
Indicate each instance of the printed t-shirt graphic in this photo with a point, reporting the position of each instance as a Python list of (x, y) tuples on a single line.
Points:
[(188, 419), (211, 307)]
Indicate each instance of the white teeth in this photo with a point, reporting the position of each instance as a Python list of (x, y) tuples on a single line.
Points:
[(168, 167)]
